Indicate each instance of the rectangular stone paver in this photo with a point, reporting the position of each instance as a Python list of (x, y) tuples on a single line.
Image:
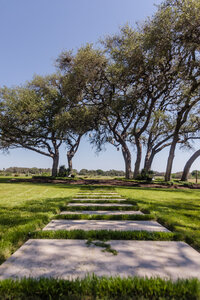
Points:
[(102, 196), (98, 194), (69, 259), (103, 212), (98, 199), (99, 204), (105, 225)]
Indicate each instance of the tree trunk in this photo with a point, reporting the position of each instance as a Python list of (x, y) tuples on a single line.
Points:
[(138, 159), (69, 159), (148, 161), (171, 158), (188, 165), (127, 158), (54, 172)]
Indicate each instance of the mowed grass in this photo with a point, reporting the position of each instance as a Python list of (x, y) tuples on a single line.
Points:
[(178, 209), (101, 288), (25, 207)]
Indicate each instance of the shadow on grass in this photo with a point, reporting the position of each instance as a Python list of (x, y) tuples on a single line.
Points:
[(17, 223)]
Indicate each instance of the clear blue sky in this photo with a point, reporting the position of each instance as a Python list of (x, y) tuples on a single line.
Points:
[(34, 33)]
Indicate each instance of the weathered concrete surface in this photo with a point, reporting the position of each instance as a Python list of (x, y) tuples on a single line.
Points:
[(97, 194), (99, 204), (105, 225), (103, 212), (99, 199), (101, 196), (72, 258)]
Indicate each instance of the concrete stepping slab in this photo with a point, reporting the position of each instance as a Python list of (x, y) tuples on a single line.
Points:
[(97, 194), (105, 225), (98, 199), (69, 259), (101, 196), (102, 212), (99, 204)]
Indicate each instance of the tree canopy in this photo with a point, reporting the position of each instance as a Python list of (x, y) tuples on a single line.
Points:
[(140, 89)]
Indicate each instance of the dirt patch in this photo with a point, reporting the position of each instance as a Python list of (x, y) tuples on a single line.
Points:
[(105, 182)]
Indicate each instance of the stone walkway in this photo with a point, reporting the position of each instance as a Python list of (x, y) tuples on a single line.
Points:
[(98, 199), (66, 259), (105, 225), (102, 212), (99, 204)]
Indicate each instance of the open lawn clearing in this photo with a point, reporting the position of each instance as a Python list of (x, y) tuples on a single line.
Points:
[(179, 210), (74, 258), (25, 207), (105, 225)]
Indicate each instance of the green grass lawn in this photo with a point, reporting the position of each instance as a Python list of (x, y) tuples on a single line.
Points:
[(177, 209), (25, 207), (100, 288)]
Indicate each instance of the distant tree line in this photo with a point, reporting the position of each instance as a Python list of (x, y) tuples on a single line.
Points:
[(139, 91), (47, 171), (83, 172), (26, 171)]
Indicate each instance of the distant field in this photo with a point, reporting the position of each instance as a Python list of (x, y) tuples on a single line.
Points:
[(193, 180)]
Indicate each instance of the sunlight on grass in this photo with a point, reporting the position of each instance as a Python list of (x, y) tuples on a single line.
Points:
[(25, 207), (179, 210)]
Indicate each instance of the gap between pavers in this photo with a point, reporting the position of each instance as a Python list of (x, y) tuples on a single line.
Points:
[(105, 225), (68, 259), (102, 212), (99, 204)]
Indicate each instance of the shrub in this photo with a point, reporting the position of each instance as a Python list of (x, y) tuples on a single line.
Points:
[(145, 175), (63, 172)]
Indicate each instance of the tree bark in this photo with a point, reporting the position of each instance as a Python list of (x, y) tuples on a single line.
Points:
[(146, 160), (54, 171), (188, 165), (69, 159), (138, 159), (171, 157), (149, 160), (127, 158)]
